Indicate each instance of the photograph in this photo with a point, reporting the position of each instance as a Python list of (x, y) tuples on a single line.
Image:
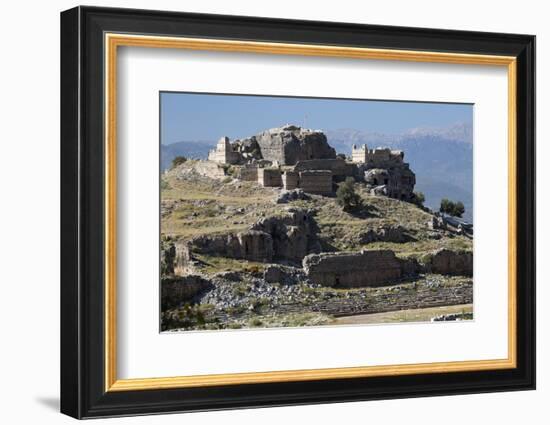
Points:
[(286, 209), (280, 211)]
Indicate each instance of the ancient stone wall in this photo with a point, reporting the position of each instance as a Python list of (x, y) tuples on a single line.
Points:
[(353, 269), (445, 261), (340, 168), (224, 153), (209, 169), (317, 182), (270, 177), (248, 172), (394, 181), (370, 268), (290, 180), (289, 144), (359, 154)]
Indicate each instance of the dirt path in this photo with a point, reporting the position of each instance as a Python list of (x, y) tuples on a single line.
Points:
[(416, 315)]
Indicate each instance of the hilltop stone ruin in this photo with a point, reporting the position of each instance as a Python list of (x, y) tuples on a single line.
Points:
[(242, 260), (291, 157)]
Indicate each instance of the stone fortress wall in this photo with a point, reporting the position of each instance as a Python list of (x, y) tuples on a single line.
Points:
[(318, 182), (224, 153), (376, 267), (292, 157), (385, 172), (269, 177), (353, 269)]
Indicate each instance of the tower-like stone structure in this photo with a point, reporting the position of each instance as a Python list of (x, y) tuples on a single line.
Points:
[(359, 154), (224, 153)]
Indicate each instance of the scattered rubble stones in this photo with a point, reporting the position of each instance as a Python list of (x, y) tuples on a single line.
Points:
[(232, 276), (285, 275), (384, 234), (287, 196)]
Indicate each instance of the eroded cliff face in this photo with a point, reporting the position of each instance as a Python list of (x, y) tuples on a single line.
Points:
[(286, 237), (294, 234)]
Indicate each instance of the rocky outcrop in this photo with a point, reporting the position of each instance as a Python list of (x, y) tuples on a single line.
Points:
[(252, 245), (167, 256), (249, 149), (289, 144), (294, 234), (287, 196), (176, 290), (276, 273), (446, 261), (288, 237), (353, 269), (386, 233)]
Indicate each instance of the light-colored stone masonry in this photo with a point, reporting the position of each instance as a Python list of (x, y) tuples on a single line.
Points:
[(316, 181), (270, 177), (353, 269)]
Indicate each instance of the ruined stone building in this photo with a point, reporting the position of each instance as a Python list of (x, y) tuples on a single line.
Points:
[(293, 157), (318, 182), (270, 177), (224, 153), (385, 172), (281, 145), (353, 269), (289, 144)]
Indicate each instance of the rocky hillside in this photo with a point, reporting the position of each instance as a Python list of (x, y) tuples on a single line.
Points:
[(441, 158), (241, 246)]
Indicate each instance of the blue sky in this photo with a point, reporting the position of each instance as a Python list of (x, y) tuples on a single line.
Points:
[(194, 117)]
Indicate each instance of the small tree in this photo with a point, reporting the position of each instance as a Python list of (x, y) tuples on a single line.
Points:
[(445, 206), (419, 199), (346, 196), (178, 160), (341, 156), (456, 209)]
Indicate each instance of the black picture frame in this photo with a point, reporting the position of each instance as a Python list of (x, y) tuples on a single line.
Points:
[(83, 392)]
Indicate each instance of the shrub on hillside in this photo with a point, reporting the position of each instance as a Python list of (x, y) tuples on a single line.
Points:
[(346, 196), (178, 160), (419, 199), (456, 209)]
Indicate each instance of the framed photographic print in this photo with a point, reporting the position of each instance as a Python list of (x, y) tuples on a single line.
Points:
[(261, 212)]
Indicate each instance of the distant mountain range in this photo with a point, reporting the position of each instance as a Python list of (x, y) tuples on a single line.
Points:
[(188, 149), (441, 158)]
